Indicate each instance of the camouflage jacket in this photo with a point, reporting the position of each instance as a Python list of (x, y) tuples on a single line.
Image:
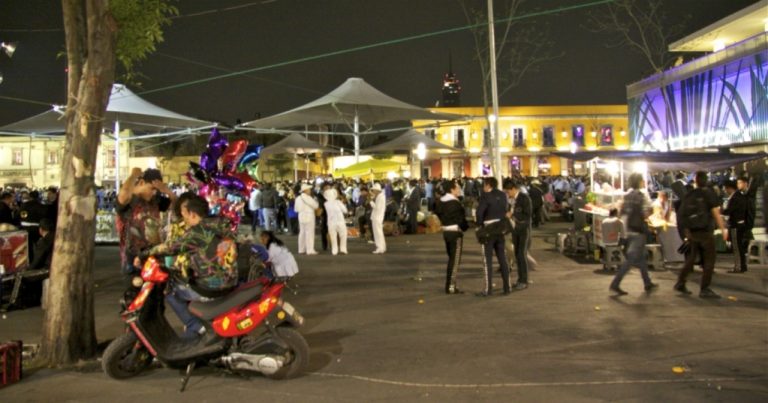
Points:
[(206, 252)]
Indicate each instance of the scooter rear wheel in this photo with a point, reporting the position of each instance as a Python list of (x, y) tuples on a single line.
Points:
[(298, 354), (125, 357)]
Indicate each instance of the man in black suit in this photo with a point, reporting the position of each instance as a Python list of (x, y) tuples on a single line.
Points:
[(44, 246), (521, 217), (737, 210), (492, 210)]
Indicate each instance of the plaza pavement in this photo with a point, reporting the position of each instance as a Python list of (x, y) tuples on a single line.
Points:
[(380, 329)]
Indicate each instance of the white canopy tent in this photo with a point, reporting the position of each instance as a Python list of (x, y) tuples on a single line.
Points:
[(294, 144), (125, 110), (353, 103)]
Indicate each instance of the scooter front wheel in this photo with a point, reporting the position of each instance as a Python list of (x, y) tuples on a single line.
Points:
[(125, 357)]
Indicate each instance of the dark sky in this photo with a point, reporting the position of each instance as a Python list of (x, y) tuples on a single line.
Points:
[(262, 33)]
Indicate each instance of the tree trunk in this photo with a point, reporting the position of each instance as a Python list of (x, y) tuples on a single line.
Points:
[(68, 327)]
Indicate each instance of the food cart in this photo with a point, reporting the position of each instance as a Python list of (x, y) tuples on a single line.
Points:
[(14, 261)]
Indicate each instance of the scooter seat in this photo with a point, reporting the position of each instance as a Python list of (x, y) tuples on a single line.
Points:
[(208, 310)]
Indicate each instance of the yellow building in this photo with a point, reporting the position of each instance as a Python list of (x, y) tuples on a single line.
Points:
[(529, 136)]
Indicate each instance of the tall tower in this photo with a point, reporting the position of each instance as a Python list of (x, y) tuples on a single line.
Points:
[(451, 87)]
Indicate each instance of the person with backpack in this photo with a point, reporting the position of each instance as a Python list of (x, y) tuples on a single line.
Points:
[(699, 212), (636, 208)]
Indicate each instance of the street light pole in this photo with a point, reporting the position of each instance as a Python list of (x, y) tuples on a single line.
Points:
[(494, 118)]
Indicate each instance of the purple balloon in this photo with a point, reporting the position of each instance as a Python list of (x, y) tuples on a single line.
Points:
[(208, 163), (229, 182), (216, 144)]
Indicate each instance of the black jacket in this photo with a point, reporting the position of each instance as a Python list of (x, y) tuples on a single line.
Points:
[(737, 209), (492, 206), (450, 212), (7, 215), (522, 211), (43, 252), (414, 199)]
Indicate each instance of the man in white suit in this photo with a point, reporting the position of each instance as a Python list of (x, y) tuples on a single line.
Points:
[(305, 205), (379, 205)]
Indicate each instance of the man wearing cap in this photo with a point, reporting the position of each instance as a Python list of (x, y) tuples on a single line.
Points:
[(139, 203), (379, 206), (306, 205)]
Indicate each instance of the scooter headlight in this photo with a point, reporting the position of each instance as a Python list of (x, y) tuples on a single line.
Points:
[(137, 282)]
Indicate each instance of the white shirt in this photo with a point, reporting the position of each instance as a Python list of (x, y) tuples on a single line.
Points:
[(283, 262), (305, 205), (253, 202), (336, 210), (379, 207)]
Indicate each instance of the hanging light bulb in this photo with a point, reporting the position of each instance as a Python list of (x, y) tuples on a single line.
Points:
[(8, 47), (1, 78)]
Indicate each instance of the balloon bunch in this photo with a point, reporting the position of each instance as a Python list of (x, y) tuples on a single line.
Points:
[(225, 185)]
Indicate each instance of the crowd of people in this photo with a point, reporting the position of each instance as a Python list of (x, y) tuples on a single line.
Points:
[(505, 215)]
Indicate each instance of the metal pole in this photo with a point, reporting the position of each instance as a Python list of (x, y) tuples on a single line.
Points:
[(356, 129), (295, 168), (496, 140), (117, 155)]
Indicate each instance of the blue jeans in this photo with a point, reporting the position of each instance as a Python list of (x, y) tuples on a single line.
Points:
[(635, 257), (269, 218), (255, 219), (179, 299)]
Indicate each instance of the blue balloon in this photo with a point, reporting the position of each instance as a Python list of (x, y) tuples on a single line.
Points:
[(251, 155)]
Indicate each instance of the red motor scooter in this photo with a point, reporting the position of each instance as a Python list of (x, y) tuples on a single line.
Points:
[(250, 330)]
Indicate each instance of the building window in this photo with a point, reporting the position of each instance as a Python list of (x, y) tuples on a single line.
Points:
[(109, 157), (577, 135), (487, 138), (458, 138), (548, 139), (430, 133), (518, 136), (18, 156), (606, 135), (52, 158)]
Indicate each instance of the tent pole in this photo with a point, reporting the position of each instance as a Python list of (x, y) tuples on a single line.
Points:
[(356, 129), (306, 165), (295, 169), (117, 155)]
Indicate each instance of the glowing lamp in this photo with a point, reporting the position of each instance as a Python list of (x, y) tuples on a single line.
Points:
[(491, 118), (640, 167), (421, 151), (8, 47)]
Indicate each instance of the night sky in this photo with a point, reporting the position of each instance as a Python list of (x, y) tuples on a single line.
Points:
[(262, 33)]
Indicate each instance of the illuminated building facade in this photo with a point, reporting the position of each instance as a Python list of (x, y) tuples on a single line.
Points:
[(719, 100), (529, 135)]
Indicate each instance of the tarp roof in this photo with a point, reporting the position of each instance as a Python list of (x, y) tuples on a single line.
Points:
[(369, 167), (407, 142), (46, 123), (353, 97), (125, 107), (663, 161), (294, 144)]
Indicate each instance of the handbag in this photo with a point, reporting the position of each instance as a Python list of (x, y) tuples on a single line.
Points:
[(684, 248), (493, 231)]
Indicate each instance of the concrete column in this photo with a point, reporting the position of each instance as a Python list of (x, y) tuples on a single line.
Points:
[(474, 167), (445, 166)]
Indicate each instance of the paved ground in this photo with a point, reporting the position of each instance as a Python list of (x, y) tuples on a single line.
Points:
[(380, 329)]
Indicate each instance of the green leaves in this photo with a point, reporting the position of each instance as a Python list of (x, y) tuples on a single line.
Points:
[(140, 28)]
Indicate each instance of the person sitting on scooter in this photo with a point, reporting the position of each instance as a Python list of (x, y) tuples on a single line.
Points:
[(209, 253)]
